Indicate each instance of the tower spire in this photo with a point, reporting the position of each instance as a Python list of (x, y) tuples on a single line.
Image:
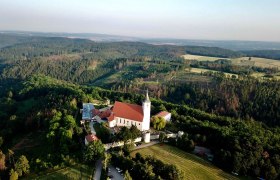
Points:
[(147, 96)]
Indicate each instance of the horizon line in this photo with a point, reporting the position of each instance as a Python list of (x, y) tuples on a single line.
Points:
[(139, 37)]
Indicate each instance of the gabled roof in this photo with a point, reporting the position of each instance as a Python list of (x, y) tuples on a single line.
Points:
[(111, 117), (95, 112), (127, 111), (105, 114), (162, 114), (91, 138)]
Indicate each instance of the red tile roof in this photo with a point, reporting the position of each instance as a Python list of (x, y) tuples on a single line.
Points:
[(127, 111), (105, 114), (162, 114), (95, 112), (91, 138), (111, 117)]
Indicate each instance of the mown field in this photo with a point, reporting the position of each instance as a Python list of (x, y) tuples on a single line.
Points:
[(258, 62), (254, 61), (192, 166), (200, 58)]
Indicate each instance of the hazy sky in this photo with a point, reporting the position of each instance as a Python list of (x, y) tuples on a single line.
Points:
[(188, 19)]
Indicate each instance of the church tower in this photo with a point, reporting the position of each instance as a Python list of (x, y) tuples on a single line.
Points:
[(146, 106)]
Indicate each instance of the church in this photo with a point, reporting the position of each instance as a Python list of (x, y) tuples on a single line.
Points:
[(125, 114)]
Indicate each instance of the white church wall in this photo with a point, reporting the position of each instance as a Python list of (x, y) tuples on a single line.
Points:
[(112, 123), (128, 123)]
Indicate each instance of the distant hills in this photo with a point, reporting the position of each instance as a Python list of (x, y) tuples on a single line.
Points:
[(227, 44)]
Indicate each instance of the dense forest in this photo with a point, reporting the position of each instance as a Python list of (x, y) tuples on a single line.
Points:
[(127, 66), (43, 82), (257, 100), (83, 61), (42, 104)]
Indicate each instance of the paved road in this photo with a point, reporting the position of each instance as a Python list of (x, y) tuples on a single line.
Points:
[(116, 175), (92, 128), (98, 168), (146, 145)]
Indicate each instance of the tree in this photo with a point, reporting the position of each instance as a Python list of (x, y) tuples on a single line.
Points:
[(107, 159), (135, 132), (73, 103), (11, 156), (10, 94), (69, 121), (174, 173), (190, 145), (2, 161), (162, 108), (1, 141), (271, 173), (22, 166), (126, 134), (158, 122), (138, 157), (13, 175), (127, 176), (94, 151), (162, 137)]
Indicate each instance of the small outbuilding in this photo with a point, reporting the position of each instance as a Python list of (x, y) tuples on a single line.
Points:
[(90, 138), (87, 111), (165, 115)]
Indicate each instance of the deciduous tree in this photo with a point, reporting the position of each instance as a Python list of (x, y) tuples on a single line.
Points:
[(22, 166), (94, 150)]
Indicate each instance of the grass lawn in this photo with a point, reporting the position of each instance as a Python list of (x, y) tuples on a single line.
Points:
[(192, 166), (77, 172)]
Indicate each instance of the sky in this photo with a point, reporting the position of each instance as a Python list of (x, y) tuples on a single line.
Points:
[(181, 19)]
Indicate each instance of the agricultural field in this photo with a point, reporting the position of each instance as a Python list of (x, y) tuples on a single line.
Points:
[(202, 70), (258, 62), (258, 74), (254, 61), (192, 166), (200, 58)]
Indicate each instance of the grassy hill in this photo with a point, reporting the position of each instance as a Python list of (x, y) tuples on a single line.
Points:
[(192, 166)]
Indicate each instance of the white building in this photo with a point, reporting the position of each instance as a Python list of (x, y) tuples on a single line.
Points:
[(165, 115), (125, 114)]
